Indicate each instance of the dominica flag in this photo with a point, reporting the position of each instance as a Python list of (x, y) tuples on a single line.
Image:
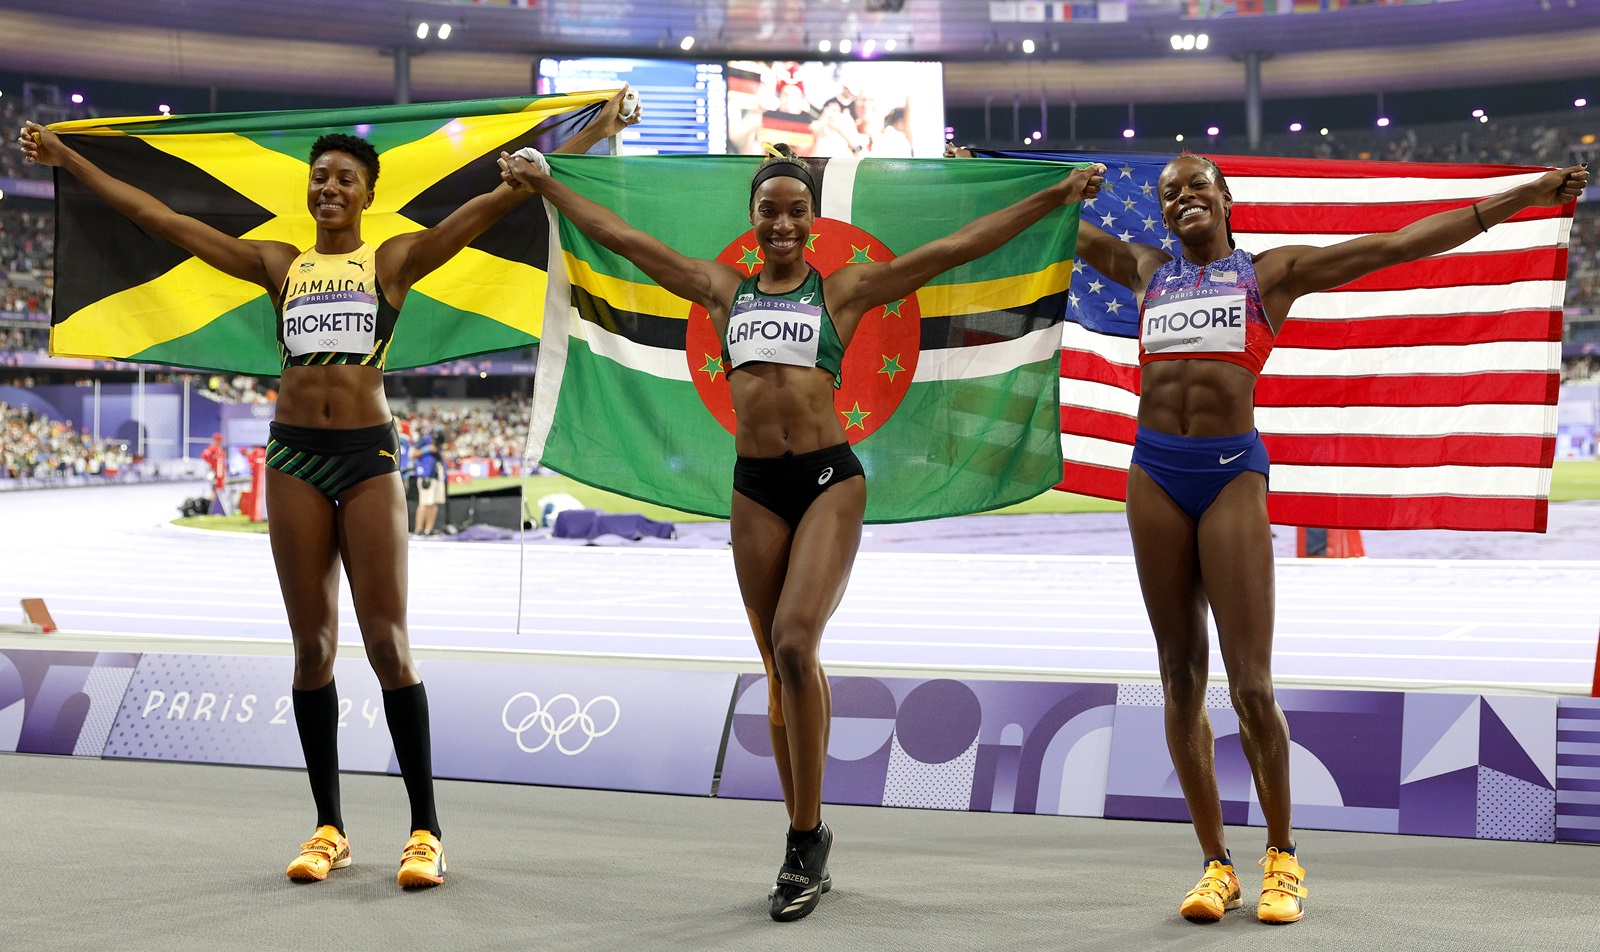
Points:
[(1420, 396), (949, 396), (124, 293)]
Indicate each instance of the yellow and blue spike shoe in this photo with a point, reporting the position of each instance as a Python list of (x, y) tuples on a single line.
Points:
[(326, 850), (1282, 896), (422, 861), (1217, 892)]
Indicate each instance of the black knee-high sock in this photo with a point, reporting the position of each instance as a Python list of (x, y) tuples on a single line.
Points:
[(316, 716), (406, 710)]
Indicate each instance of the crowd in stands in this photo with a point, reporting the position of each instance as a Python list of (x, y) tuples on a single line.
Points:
[(487, 429), (36, 446), (1552, 140), (1581, 370)]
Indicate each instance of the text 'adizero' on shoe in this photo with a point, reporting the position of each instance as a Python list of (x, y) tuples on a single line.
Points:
[(326, 850), (1217, 892), (1282, 896), (803, 877), (422, 861)]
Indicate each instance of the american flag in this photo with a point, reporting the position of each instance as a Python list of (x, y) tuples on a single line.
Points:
[(1421, 396)]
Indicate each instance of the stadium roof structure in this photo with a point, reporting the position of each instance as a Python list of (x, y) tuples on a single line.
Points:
[(1094, 50)]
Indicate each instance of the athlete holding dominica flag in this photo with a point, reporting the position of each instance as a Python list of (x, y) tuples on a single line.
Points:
[(799, 492)]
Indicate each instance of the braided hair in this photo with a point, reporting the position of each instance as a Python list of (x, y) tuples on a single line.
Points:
[(359, 149), (782, 160)]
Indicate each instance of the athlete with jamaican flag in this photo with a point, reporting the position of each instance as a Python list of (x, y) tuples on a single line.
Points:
[(799, 492), (333, 483)]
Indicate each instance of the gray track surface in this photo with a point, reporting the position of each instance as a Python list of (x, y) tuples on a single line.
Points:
[(132, 856)]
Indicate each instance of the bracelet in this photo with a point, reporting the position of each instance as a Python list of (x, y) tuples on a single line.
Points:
[(1478, 217)]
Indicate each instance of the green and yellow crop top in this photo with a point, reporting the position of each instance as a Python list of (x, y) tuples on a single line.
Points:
[(333, 312), (792, 328)]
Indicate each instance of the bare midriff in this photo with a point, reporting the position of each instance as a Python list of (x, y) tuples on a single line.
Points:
[(783, 409), (336, 396), (1196, 397)]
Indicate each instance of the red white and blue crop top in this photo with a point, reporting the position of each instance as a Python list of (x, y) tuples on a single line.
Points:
[(1212, 312)]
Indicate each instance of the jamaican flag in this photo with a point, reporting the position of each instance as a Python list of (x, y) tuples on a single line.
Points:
[(123, 293), (949, 396)]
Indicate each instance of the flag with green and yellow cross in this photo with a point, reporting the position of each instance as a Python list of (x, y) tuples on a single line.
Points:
[(123, 293)]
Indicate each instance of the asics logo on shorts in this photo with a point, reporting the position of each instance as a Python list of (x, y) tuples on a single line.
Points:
[(557, 719), (827, 474), (1225, 460)]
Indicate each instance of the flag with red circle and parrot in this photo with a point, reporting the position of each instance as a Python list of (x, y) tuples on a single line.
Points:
[(949, 397)]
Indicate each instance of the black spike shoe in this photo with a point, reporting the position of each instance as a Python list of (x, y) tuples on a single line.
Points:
[(803, 878)]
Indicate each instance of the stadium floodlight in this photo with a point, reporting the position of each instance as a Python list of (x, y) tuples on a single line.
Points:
[(1127, 133), (888, 46), (1477, 113), (1027, 46), (164, 109), (1188, 41), (825, 46), (1213, 131), (1323, 130), (1295, 127), (1177, 41), (1483, 118), (1027, 140), (869, 47), (1580, 102), (1202, 41), (444, 31), (1037, 134), (77, 99), (1180, 137), (422, 31), (1383, 122), (686, 44), (844, 46)]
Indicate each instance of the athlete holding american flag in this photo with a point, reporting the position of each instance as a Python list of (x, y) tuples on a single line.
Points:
[(1197, 485)]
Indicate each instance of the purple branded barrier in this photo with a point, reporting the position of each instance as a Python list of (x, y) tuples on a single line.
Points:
[(60, 702), (1578, 770), (654, 731), (998, 746), (1371, 761), (236, 709)]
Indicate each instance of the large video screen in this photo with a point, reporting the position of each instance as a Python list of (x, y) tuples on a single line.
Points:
[(685, 104), (855, 108)]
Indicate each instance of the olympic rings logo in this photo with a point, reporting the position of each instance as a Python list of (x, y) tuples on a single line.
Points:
[(553, 722), (767, 351), (326, 342)]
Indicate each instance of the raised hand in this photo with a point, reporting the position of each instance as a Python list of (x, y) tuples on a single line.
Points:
[(41, 145), (1560, 186)]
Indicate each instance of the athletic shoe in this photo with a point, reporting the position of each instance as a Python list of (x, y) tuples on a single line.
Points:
[(422, 863), (1281, 892), (326, 850), (803, 878), (1217, 892)]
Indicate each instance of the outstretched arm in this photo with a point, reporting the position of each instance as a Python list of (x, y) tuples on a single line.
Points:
[(1288, 272), (1128, 263), (406, 259), (857, 289), (260, 262), (702, 282)]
